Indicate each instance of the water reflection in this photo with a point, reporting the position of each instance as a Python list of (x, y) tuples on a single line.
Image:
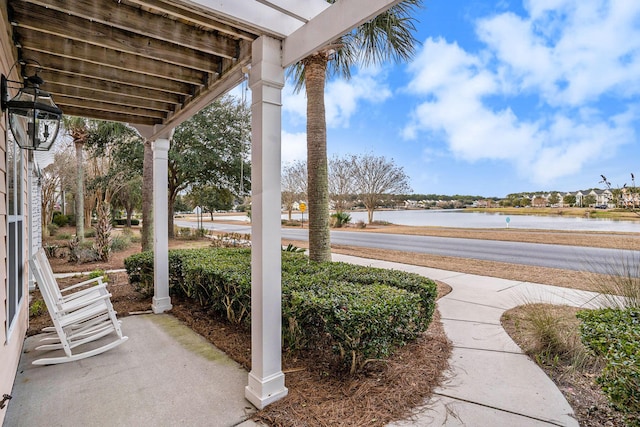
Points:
[(462, 219)]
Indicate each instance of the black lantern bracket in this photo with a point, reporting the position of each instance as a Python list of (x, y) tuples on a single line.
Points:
[(34, 119)]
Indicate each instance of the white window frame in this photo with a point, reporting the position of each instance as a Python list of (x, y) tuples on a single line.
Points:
[(15, 227)]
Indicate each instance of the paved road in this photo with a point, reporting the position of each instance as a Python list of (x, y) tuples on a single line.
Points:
[(555, 256)]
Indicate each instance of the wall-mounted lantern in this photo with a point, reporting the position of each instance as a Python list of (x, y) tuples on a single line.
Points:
[(34, 119)]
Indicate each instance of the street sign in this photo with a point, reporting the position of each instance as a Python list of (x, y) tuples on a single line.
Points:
[(302, 206), (508, 221)]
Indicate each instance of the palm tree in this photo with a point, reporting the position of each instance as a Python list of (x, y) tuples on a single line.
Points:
[(387, 36), (78, 129)]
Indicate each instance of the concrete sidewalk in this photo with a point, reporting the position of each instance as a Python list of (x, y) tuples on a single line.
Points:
[(490, 382), (166, 375)]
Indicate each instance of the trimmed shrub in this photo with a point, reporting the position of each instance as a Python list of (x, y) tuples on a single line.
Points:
[(614, 334), (352, 313), (123, 222), (60, 220)]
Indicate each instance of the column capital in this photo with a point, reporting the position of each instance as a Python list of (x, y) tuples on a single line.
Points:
[(160, 144), (266, 63)]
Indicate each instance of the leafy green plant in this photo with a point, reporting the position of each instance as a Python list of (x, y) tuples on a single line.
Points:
[(90, 233), (615, 335), (63, 236), (340, 219), (292, 248), (97, 273), (36, 308)]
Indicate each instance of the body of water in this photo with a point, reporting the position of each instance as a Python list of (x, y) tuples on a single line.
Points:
[(462, 219)]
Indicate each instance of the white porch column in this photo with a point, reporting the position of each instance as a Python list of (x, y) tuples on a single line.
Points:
[(266, 380), (161, 300)]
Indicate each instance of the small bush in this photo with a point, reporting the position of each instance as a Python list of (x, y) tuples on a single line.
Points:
[(340, 219), (120, 242), (60, 220), (615, 335), (123, 222), (361, 224), (63, 236), (90, 233), (52, 229), (184, 233), (36, 308), (97, 273)]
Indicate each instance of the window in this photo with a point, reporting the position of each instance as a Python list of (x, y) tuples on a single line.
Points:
[(15, 233)]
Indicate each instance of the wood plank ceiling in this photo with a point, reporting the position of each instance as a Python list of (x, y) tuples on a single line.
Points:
[(137, 61)]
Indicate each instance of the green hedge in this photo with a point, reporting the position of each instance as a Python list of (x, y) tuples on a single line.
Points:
[(123, 221), (615, 335), (358, 313)]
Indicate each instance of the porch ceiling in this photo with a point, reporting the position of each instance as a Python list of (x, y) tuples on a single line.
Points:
[(146, 62)]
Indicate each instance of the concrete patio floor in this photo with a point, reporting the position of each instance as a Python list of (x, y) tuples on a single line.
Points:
[(164, 375)]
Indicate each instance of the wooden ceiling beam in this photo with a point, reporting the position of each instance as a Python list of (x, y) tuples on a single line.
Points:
[(102, 86), (65, 101), (109, 115), (202, 18), (62, 25), (74, 49), (52, 63), (108, 97), (134, 19)]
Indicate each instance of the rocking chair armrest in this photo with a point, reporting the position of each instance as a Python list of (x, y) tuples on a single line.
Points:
[(86, 282), (82, 303), (98, 289)]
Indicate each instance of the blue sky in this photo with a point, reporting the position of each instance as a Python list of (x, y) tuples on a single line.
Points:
[(502, 97)]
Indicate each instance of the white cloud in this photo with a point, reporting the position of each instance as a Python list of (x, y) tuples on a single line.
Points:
[(342, 97), (294, 147), (573, 51), (567, 55)]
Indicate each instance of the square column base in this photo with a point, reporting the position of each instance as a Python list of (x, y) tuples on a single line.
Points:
[(263, 392), (160, 305)]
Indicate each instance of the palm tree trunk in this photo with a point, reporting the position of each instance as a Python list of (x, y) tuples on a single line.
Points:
[(315, 67), (79, 191), (147, 198)]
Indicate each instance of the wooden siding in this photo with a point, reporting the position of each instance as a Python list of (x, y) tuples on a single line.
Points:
[(10, 347)]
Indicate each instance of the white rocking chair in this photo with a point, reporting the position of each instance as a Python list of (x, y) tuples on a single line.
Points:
[(78, 317)]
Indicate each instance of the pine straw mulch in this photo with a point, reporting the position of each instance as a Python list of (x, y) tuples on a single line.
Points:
[(385, 391)]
